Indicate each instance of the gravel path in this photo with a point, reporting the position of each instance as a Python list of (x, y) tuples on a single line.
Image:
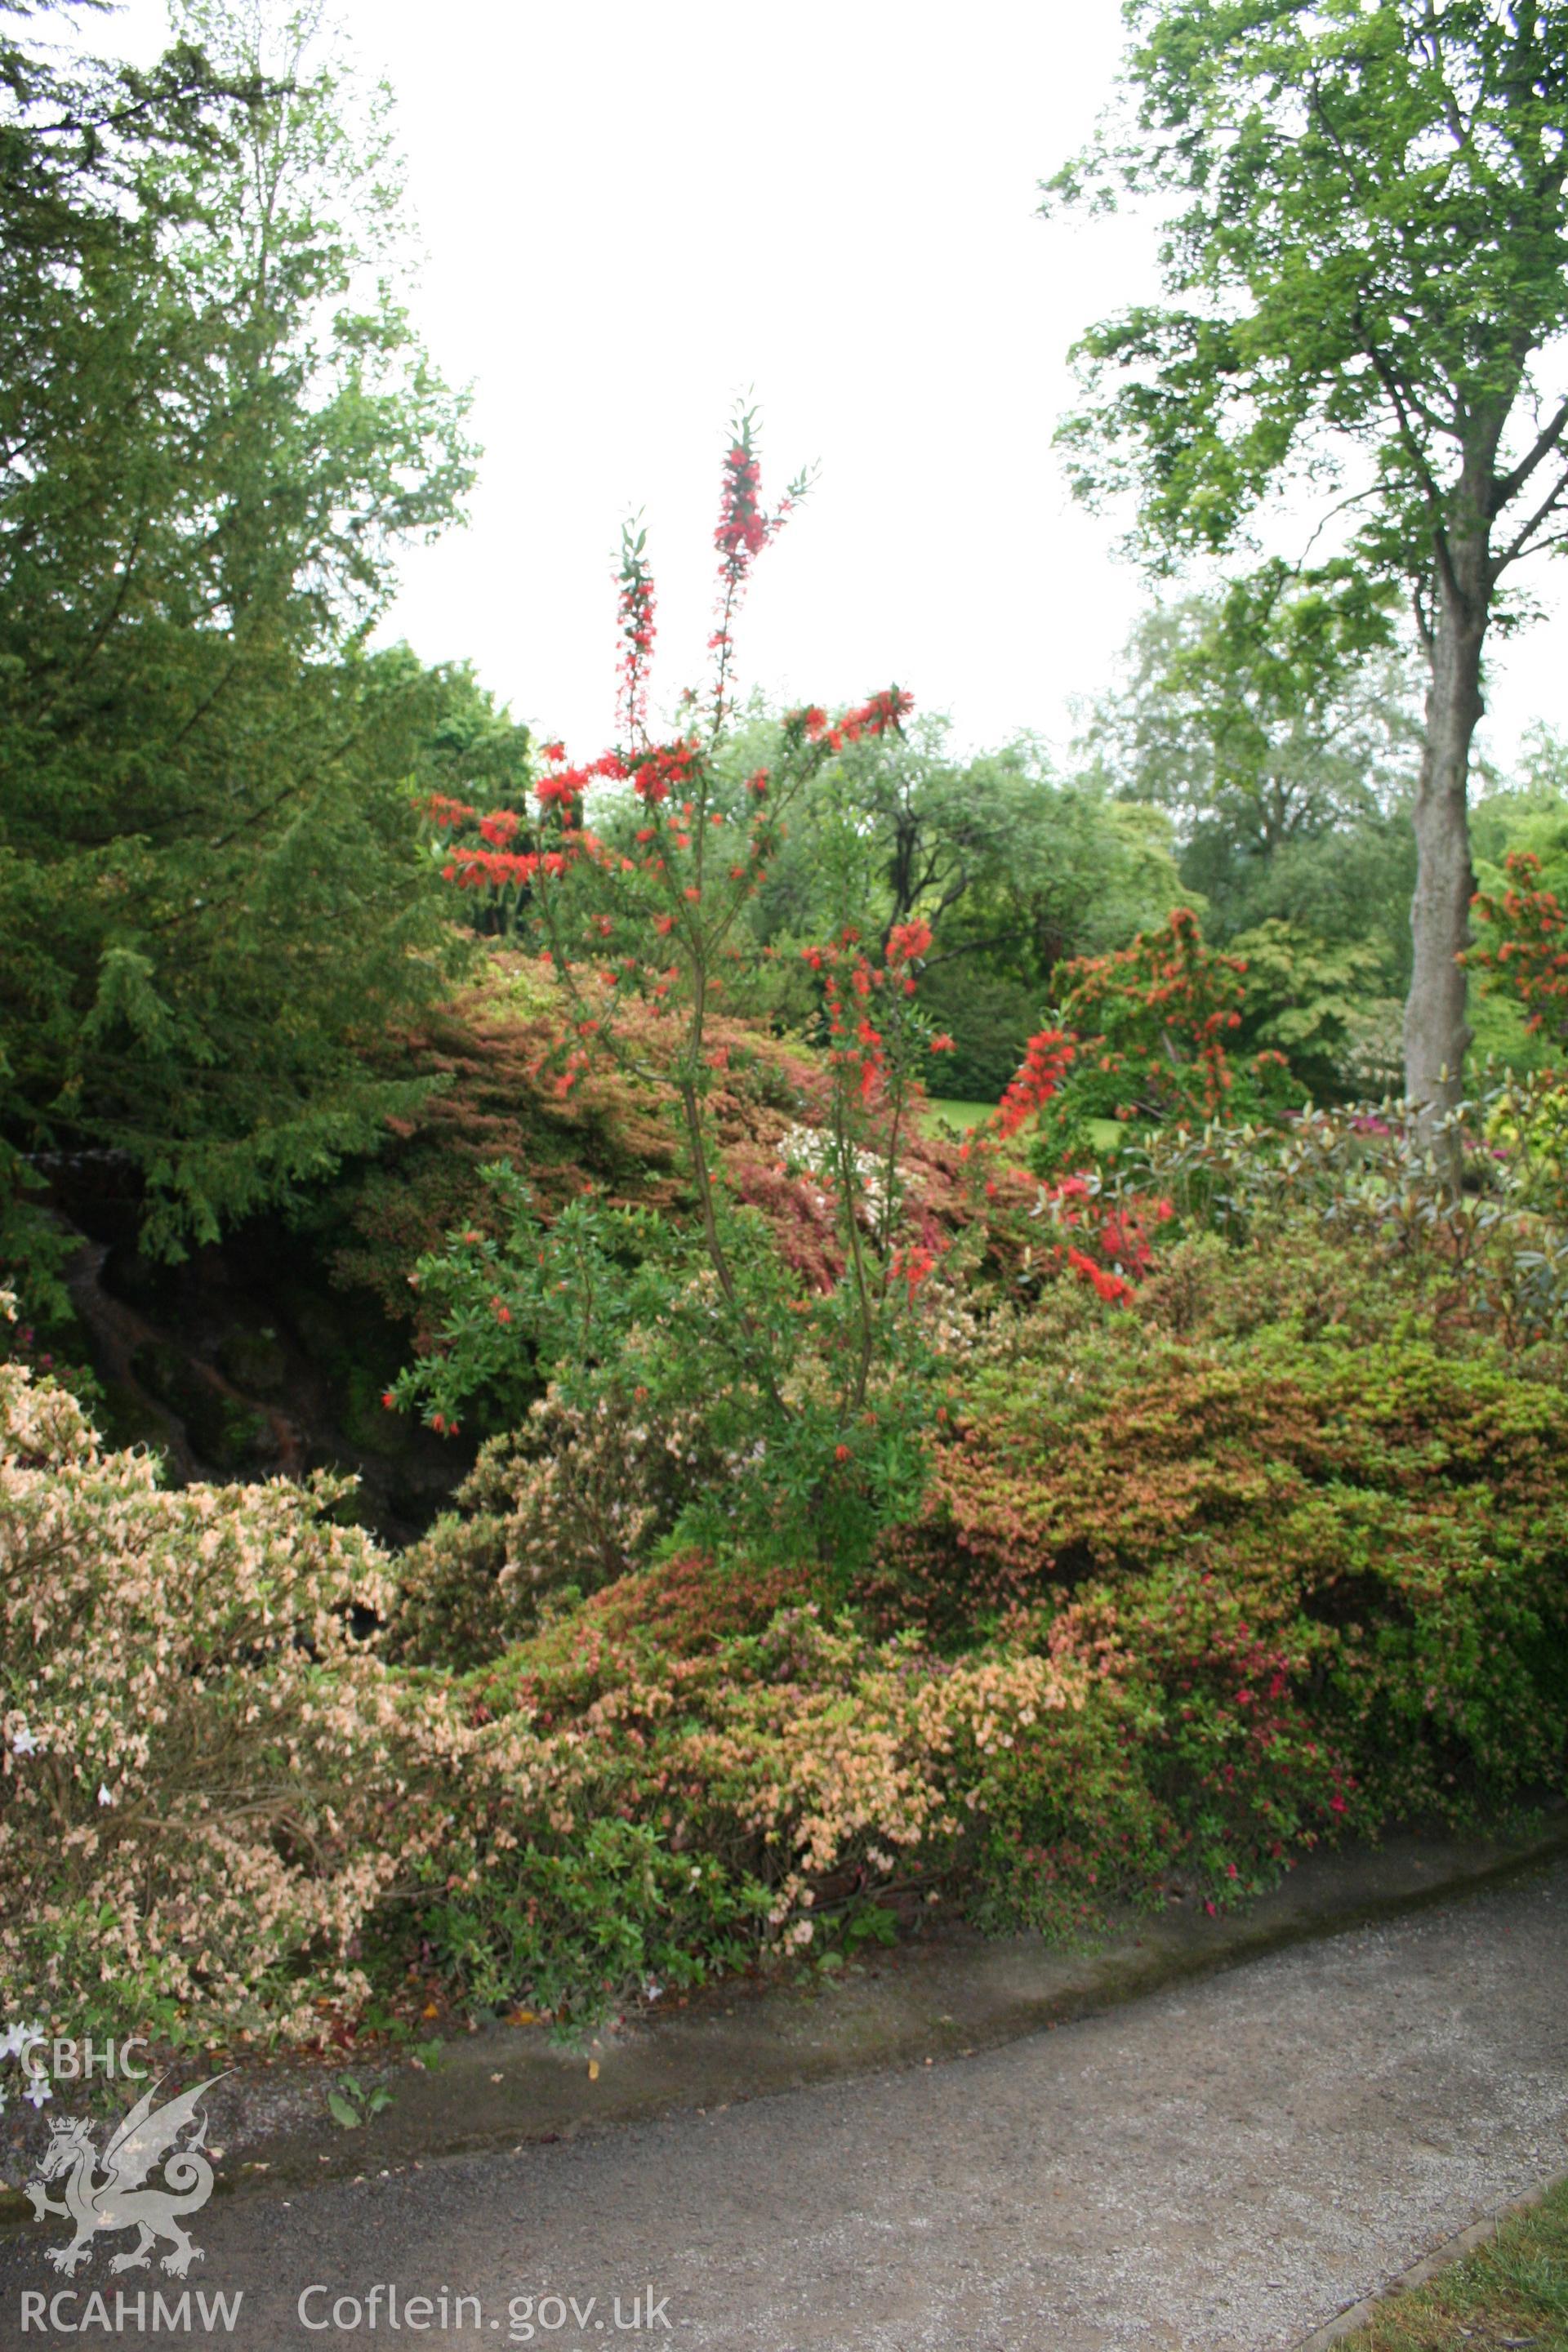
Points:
[(1220, 2167)]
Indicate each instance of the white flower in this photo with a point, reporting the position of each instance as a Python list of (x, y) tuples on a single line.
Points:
[(104, 1797), (19, 2040), (38, 2090), (22, 1742)]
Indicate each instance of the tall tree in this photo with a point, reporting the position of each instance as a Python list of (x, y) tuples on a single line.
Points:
[(1011, 864), (1366, 266), (1012, 867), (1264, 714), (216, 429)]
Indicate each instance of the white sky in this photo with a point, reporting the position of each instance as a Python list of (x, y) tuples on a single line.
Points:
[(633, 213)]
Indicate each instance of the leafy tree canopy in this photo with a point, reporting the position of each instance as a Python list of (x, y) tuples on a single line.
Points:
[(1007, 861), (1275, 719), (1368, 241), (1012, 864), (1364, 261), (1266, 712), (216, 427)]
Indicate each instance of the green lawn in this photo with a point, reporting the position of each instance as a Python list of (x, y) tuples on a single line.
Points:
[(1511, 2292), (944, 1110)]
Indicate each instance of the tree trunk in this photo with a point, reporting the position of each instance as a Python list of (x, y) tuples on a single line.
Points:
[(1436, 1031)]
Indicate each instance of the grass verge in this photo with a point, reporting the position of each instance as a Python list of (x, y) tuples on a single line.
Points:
[(1511, 2294)]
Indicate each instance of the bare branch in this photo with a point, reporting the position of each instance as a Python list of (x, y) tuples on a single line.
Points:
[(1520, 544), (1434, 497), (1512, 484), (1424, 635), (1355, 499)]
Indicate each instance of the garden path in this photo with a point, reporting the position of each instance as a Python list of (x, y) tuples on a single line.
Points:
[(1220, 2166)]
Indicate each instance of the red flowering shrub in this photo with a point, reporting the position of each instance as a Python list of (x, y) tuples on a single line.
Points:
[(1144, 1034), (1046, 1060), (1526, 956), (1196, 1767), (819, 1403), (1076, 1224), (1492, 1254), (1157, 1015), (1104, 1239)]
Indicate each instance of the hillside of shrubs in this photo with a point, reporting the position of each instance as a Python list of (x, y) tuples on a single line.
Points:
[(619, 1365), (1229, 1517), (1274, 1550)]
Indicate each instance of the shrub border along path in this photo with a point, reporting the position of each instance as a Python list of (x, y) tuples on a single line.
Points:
[(941, 1998), (1225, 2163)]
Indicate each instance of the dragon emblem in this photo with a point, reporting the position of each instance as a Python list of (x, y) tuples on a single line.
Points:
[(117, 2200)]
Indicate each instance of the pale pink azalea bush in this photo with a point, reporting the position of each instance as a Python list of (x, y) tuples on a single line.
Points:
[(204, 1780), (223, 1816), (859, 1755), (748, 1782), (575, 1497), (800, 1755)]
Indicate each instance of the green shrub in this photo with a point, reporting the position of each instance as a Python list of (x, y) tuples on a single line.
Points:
[(1273, 1549)]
